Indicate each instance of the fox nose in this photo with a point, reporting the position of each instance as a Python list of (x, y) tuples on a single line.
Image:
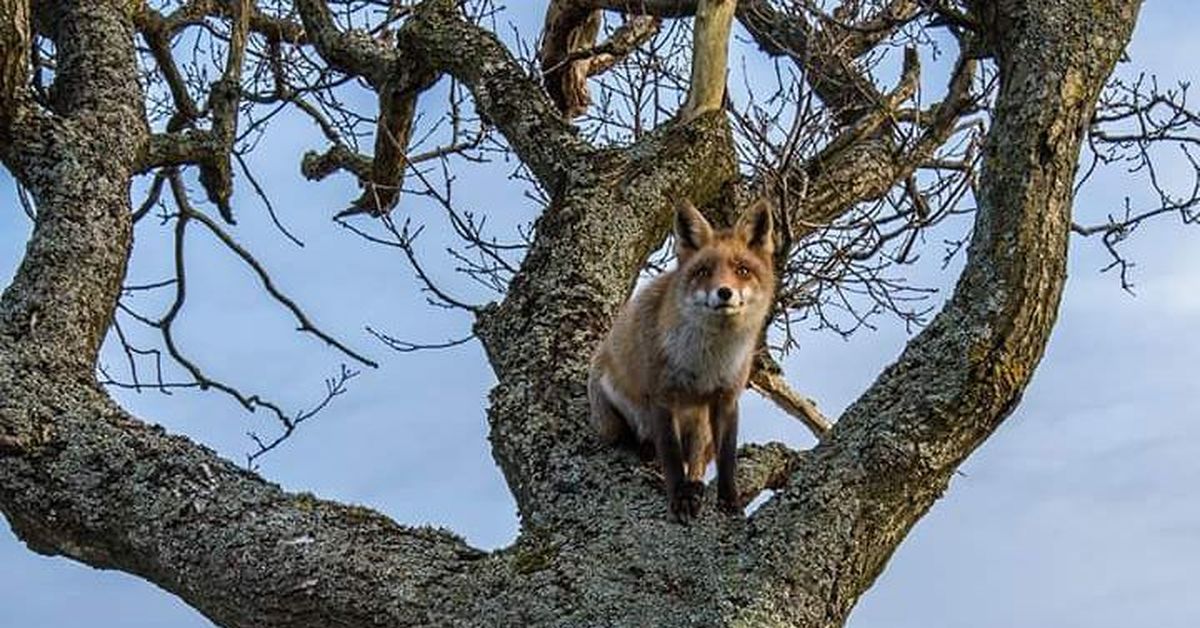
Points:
[(724, 294)]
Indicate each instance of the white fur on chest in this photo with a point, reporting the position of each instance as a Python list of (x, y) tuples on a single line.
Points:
[(704, 358)]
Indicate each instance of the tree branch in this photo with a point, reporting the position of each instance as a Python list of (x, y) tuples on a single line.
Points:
[(397, 110), (238, 549), (636, 31), (504, 94), (353, 52), (894, 450), (827, 54), (399, 79), (81, 478), (658, 8), (710, 56), (568, 33), (24, 126), (763, 467), (188, 147), (766, 378), (316, 166), (864, 162), (15, 43), (58, 294)]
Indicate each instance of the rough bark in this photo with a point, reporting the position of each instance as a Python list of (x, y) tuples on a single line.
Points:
[(14, 63), (79, 477), (893, 452)]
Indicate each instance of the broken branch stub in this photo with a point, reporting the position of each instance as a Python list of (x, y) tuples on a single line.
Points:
[(710, 57), (569, 31)]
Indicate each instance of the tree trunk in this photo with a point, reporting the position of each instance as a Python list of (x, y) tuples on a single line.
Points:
[(79, 477)]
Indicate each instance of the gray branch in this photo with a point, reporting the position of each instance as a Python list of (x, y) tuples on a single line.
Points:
[(893, 451), (81, 478)]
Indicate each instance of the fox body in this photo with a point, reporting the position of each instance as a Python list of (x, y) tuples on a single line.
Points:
[(670, 372)]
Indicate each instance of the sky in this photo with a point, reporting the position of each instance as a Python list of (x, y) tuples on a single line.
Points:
[(1079, 511)]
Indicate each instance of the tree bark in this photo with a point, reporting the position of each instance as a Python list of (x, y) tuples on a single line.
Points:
[(79, 477), (892, 453), (710, 57)]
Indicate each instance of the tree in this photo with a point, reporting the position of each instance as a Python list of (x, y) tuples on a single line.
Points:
[(84, 479)]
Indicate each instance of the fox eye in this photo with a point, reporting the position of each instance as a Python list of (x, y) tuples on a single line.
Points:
[(743, 271), (703, 272)]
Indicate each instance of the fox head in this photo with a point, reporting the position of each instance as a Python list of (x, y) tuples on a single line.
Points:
[(727, 274)]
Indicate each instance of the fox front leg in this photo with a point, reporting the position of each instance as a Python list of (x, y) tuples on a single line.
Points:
[(724, 414), (681, 496), (696, 444)]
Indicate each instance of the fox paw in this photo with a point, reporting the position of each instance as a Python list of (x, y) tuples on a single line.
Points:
[(685, 503), (730, 506)]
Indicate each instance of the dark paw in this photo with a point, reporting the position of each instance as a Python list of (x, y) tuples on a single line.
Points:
[(645, 451), (685, 503), (730, 506)]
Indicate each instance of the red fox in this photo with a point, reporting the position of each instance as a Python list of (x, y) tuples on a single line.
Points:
[(670, 372)]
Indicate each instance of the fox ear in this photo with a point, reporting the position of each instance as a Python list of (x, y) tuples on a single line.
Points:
[(692, 230), (756, 228)]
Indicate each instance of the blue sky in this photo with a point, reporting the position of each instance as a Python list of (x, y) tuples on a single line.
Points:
[(1079, 512)]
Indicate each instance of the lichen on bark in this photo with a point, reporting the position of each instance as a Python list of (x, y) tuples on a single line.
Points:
[(82, 478)]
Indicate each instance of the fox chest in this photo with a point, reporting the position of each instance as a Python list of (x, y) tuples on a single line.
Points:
[(703, 360)]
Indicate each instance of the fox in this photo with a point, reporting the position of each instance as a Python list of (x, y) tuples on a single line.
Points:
[(668, 375)]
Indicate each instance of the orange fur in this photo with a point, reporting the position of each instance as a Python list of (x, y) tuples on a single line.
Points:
[(670, 371)]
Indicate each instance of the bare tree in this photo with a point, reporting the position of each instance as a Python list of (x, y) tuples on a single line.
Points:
[(97, 96)]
